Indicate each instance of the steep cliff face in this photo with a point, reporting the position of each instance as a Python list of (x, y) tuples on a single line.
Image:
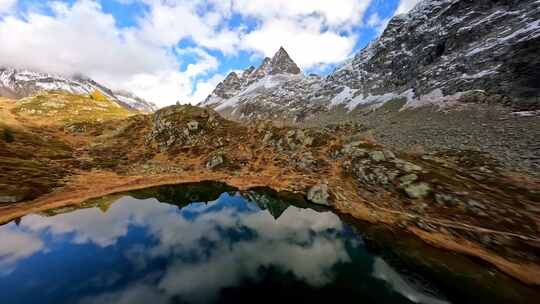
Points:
[(444, 47), (440, 51)]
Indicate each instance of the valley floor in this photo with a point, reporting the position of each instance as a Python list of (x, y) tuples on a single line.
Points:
[(460, 200)]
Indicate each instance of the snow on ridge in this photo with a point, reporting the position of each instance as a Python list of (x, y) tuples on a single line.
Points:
[(379, 100), (482, 73), (269, 82), (433, 98)]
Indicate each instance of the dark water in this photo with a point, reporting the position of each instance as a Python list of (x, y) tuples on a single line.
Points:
[(196, 244)]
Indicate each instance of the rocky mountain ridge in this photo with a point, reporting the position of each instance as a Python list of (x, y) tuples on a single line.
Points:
[(442, 51), (16, 83)]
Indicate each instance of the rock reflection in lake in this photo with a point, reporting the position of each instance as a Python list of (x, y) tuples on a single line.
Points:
[(196, 243)]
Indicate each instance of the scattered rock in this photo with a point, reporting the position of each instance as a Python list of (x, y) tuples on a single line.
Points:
[(193, 125), (407, 166), (215, 161), (389, 154), (303, 138), (353, 150), (418, 190), (408, 179), (267, 137), (7, 199), (377, 156), (446, 200), (306, 161), (318, 194)]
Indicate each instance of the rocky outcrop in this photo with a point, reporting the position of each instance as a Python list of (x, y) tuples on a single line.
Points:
[(184, 126), (318, 194)]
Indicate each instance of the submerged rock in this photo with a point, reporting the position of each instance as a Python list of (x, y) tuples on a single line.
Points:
[(318, 194)]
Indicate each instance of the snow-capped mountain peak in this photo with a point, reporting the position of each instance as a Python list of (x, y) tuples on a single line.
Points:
[(271, 73), (19, 83)]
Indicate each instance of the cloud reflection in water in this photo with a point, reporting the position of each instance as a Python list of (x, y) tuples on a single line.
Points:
[(193, 253)]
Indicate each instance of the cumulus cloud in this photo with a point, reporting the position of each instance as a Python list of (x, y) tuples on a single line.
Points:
[(83, 39), (313, 32), (145, 58), (80, 38), (305, 41), (16, 245)]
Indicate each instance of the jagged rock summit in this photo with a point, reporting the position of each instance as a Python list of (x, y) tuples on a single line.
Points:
[(19, 83), (441, 52), (282, 63), (271, 73)]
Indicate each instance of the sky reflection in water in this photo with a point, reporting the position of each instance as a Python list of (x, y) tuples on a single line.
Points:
[(144, 251)]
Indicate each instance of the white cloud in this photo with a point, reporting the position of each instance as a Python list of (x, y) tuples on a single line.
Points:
[(335, 13), (6, 6), (376, 22), (16, 245), (314, 32), (405, 6), (81, 38), (307, 44)]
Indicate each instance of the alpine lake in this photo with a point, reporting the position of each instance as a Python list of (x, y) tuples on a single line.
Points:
[(210, 243)]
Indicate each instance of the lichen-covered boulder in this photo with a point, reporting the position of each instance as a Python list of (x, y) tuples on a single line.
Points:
[(319, 195)]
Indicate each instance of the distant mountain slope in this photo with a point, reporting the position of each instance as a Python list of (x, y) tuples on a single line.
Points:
[(59, 107), (135, 101), (23, 83), (443, 50)]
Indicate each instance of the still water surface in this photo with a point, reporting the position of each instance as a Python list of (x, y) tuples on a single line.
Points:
[(173, 245)]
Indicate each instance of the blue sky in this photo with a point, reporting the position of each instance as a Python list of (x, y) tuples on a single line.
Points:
[(178, 50)]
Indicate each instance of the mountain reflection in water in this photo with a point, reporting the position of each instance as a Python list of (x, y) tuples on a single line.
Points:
[(236, 247)]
